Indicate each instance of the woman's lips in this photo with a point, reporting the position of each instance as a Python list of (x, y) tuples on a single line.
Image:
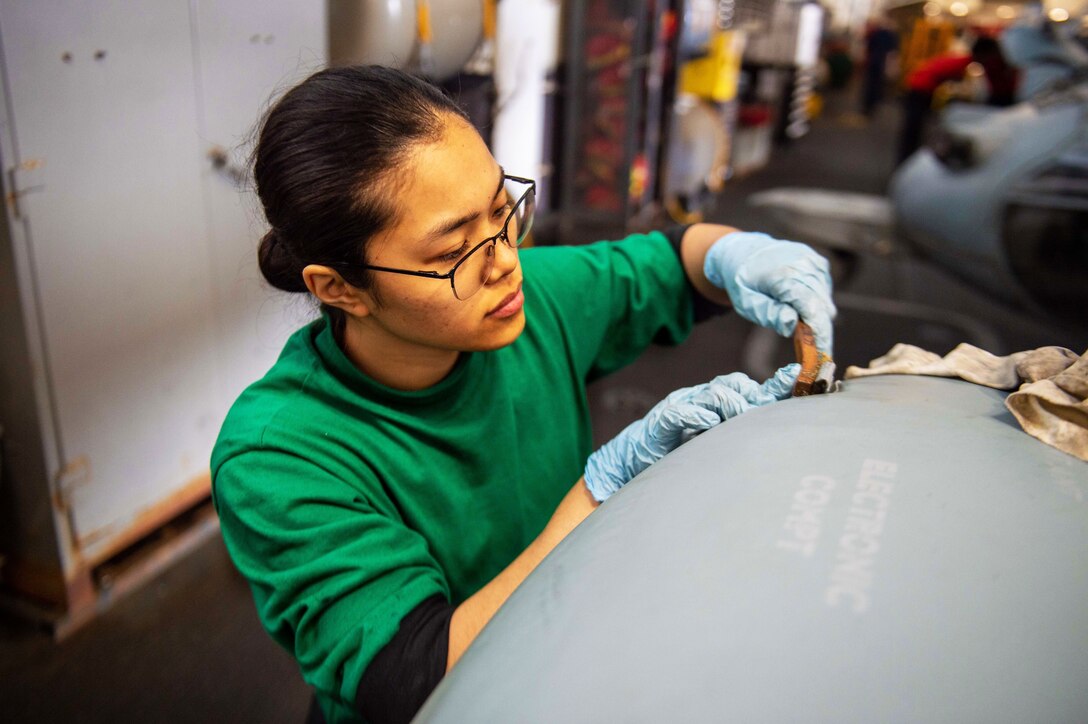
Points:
[(509, 306)]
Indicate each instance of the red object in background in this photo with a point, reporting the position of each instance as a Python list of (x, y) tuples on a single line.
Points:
[(933, 72), (752, 115), (668, 25), (1001, 77), (603, 149), (603, 44), (603, 199)]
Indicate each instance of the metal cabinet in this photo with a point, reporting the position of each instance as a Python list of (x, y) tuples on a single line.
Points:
[(134, 313)]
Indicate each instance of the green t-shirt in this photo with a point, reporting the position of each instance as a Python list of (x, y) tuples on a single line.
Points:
[(346, 503)]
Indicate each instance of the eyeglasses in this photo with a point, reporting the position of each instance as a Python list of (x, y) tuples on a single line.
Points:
[(473, 269)]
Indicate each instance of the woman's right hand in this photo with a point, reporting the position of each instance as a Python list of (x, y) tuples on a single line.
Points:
[(683, 414)]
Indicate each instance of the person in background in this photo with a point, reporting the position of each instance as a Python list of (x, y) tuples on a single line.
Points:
[(880, 43), (840, 66), (923, 81), (419, 448)]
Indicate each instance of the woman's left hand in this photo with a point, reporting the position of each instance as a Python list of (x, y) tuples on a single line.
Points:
[(772, 282), (680, 416)]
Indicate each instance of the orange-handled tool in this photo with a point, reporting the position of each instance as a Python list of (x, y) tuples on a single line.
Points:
[(817, 374)]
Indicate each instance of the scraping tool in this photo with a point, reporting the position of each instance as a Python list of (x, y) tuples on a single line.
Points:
[(817, 369)]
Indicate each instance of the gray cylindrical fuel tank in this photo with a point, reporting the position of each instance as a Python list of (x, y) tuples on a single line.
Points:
[(364, 31), (900, 551), (385, 32)]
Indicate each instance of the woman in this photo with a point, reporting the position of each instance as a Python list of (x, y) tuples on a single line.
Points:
[(410, 457)]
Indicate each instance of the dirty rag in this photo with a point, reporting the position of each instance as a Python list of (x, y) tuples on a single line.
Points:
[(1051, 402)]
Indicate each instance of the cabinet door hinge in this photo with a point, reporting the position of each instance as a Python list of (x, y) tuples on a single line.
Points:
[(75, 474), (23, 180)]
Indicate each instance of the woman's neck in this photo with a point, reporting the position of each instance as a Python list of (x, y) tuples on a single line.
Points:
[(394, 362)]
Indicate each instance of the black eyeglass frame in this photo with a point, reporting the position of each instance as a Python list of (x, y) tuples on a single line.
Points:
[(503, 234)]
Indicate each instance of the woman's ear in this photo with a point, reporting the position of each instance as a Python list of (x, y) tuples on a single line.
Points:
[(329, 287)]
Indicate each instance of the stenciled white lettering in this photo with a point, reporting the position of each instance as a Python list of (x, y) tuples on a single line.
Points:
[(852, 576), (803, 524)]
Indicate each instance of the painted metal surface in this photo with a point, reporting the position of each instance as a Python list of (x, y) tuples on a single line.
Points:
[(372, 32), (900, 551), (247, 56), (117, 234), (386, 33), (141, 312), (956, 216)]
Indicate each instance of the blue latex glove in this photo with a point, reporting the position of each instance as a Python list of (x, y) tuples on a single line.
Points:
[(683, 414), (770, 282)]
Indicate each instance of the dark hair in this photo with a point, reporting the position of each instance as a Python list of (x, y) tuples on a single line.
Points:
[(986, 47), (326, 161)]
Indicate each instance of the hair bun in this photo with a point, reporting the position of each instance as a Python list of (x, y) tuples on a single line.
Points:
[(279, 266)]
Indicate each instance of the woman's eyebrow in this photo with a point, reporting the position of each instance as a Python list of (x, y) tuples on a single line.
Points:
[(453, 224)]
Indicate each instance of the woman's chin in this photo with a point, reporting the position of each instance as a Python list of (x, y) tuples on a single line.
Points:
[(507, 331)]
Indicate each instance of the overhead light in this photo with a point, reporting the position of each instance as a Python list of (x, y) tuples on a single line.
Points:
[(1005, 12), (959, 9), (932, 9), (1058, 15)]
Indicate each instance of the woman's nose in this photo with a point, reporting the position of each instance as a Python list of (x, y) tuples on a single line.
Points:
[(506, 261)]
